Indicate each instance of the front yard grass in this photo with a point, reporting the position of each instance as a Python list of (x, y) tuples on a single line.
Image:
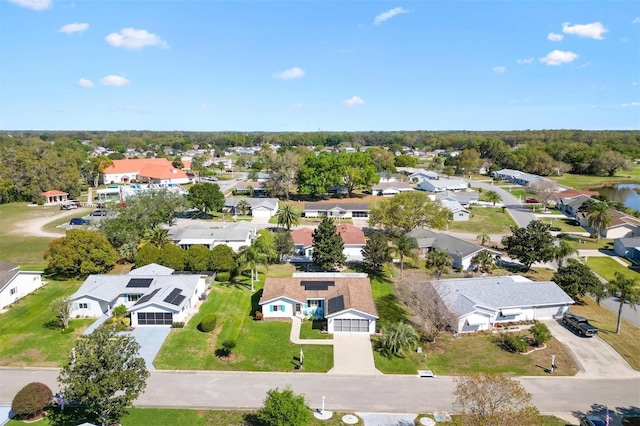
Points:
[(24, 339), (261, 345), (587, 243), (607, 268), (492, 220), (565, 224), (627, 343), (313, 330), (586, 182)]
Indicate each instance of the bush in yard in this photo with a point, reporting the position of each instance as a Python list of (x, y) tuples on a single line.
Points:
[(259, 316), (177, 324), (31, 400), (227, 347), (285, 408), (222, 277), (541, 333), (208, 323), (119, 310), (514, 342)]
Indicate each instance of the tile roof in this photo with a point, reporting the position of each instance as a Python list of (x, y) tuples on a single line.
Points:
[(356, 291), (157, 171), (135, 165), (303, 237), (351, 234), (570, 193), (54, 192)]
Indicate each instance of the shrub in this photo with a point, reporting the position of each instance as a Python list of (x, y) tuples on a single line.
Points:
[(259, 316), (514, 343), (177, 324), (119, 310), (541, 333), (227, 347), (222, 277), (554, 228), (67, 330), (207, 323), (31, 400)]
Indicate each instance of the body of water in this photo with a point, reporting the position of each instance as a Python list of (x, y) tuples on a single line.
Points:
[(624, 193)]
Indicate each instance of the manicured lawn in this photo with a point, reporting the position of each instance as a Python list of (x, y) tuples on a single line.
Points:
[(488, 219), (453, 356), (565, 225), (585, 182), (627, 343), (24, 339), (312, 330), (588, 243), (607, 268), (261, 345)]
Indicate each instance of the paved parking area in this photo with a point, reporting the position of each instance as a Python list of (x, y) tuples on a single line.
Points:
[(150, 339), (594, 356)]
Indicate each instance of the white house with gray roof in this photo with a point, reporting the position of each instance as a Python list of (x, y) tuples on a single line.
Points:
[(481, 303), (518, 177), (458, 212), (443, 185), (235, 235), (259, 207), (465, 198), (15, 284), (152, 295)]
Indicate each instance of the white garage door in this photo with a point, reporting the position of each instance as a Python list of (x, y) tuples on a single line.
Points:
[(351, 325), (261, 213)]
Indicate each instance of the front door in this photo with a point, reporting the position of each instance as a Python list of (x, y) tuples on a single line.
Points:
[(298, 308)]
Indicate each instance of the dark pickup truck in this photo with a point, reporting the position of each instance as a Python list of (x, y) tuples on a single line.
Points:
[(579, 324)]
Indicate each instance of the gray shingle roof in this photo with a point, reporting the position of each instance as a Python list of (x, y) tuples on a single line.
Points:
[(238, 231), (270, 203), (630, 242), (446, 242), (344, 206)]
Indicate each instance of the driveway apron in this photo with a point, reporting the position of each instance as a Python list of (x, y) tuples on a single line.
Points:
[(353, 355), (150, 339)]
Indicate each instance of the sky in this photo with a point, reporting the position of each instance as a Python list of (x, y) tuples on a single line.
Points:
[(325, 65)]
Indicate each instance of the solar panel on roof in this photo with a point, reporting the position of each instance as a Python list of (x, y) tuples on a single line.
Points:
[(147, 297), (335, 304), (139, 282), (317, 285), (175, 298)]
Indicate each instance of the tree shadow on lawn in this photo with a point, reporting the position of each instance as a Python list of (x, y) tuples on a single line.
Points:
[(255, 306), (241, 282)]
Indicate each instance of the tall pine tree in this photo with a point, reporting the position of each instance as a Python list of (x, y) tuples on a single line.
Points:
[(328, 248)]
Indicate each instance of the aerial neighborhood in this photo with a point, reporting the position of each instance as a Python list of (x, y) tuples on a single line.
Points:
[(348, 259)]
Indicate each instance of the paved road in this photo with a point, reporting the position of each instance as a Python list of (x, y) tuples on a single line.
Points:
[(520, 214), (388, 393)]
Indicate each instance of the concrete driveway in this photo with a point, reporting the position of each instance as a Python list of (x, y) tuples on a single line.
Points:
[(594, 356), (150, 339), (353, 355)]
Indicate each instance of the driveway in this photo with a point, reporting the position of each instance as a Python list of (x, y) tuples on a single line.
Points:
[(150, 339), (594, 356), (352, 355), (387, 419)]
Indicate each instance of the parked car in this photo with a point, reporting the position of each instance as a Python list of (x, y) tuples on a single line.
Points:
[(592, 421), (79, 221), (98, 213), (68, 206), (531, 200), (75, 202)]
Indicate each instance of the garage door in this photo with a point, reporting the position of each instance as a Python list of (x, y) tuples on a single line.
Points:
[(351, 325), (155, 318)]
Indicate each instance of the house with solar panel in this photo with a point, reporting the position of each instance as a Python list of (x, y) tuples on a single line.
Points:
[(344, 300), (152, 295)]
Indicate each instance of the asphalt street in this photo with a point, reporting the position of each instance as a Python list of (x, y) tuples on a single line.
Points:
[(389, 393), (520, 214)]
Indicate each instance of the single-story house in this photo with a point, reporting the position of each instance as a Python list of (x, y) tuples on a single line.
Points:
[(336, 210), (422, 176), (152, 295), (235, 235), (517, 177), (570, 205), (344, 300), (461, 251), (352, 237), (629, 248), (15, 284), (622, 225), (54, 197), (145, 170), (259, 207), (386, 177), (443, 185), (458, 211), (481, 303), (251, 188), (390, 189), (465, 198)]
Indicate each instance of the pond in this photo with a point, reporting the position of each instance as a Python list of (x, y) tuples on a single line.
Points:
[(624, 193)]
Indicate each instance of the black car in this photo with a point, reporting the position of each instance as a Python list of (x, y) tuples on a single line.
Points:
[(79, 221)]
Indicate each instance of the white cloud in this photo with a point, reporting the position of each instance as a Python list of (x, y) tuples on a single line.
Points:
[(131, 38), (114, 80), (634, 83), (525, 61), (203, 106), (297, 105), (290, 74), (355, 100), (83, 82), (384, 16), (499, 70), (38, 5), (630, 104), (559, 57), (636, 20), (555, 37), (593, 30), (132, 108), (73, 28)]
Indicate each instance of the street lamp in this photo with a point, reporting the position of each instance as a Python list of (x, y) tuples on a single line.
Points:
[(322, 412)]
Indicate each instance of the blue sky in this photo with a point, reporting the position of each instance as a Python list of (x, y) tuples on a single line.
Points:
[(319, 65)]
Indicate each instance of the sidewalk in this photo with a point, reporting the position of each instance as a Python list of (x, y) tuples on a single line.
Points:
[(296, 323)]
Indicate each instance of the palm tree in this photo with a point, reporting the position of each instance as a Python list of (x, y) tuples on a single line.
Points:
[(483, 237), (562, 251), (157, 236), (493, 197), (405, 246), (243, 206), (484, 260), (258, 253), (438, 260), (396, 338), (288, 216), (600, 216), (627, 290)]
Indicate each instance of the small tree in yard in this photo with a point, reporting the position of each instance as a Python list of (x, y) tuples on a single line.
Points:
[(540, 333), (396, 338), (328, 251), (61, 307), (227, 347), (375, 253), (285, 408), (483, 399), (31, 400), (531, 244)]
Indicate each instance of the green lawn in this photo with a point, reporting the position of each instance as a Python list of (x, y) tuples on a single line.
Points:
[(488, 219), (312, 330), (588, 243), (24, 339), (261, 345), (585, 182), (565, 224), (607, 267)]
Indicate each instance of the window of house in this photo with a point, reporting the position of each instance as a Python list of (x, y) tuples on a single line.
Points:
[(83, 305), (13, 291), (131, 297), (314, 303)]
